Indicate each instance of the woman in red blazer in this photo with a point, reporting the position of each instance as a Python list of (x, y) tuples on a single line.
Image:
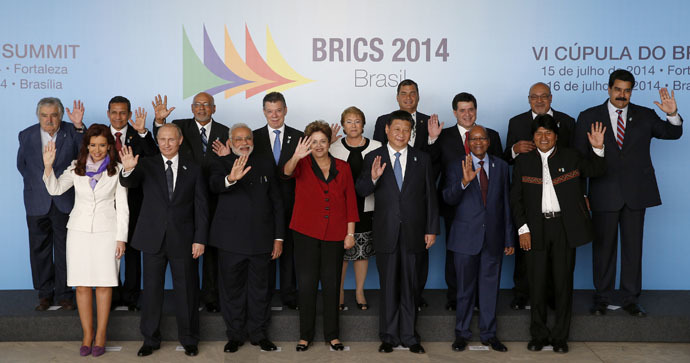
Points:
[(323, 223)]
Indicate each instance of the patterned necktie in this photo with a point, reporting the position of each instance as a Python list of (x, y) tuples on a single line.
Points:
[(483, 181), (621, 129), (169, 179), (276, 146), (118, 142), (204, 140), (397, 170), (467, 142)]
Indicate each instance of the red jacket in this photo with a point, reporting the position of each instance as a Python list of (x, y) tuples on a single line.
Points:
[(322, 210)]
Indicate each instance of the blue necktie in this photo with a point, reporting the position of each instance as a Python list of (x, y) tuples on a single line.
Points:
[(276, 146), (204, 140), (397, 170)]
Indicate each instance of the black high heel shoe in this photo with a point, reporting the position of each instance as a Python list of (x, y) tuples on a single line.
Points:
[(364, 306), (302, 347), (337, 346)]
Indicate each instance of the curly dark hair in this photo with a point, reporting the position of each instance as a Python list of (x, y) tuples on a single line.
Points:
[(92, 131), (317, 126)]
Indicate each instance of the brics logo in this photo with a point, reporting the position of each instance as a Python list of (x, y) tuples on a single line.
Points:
[(231, 74)]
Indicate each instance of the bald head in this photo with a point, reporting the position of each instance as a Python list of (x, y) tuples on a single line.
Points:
[(479, 141), (203, 108), (539, 98)]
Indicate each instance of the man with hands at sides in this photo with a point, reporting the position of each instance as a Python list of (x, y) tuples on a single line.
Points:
[(248, 198), (548, 203), (481, 232), (172, 228)]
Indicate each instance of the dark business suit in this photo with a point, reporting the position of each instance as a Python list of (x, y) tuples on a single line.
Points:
[(622, 195), (192, 147), (478, 236), (165, 232), (248, 219), (449, 149), (262, 144), (46, 215), (401, 219), (128, 292), (520, 129), (553, 240)]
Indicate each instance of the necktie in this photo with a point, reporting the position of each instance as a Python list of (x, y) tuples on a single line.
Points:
[(467, 142), (204, 140), (169, 179), (397, 170), (276, 146), (118, 142), (621, 129), (483, 181)]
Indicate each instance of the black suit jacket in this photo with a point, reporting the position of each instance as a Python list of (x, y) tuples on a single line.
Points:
[(421, 140), (142, 146), (262, 144), (250, 212), (520, 129), (629, 177), (566, 167), (180, 221), (449, 148), (402, 217)]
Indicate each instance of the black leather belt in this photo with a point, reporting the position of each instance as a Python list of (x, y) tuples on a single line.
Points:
[(550, 215)]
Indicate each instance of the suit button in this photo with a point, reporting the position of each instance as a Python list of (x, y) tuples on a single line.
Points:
[(326, 216), (326, 199), (325, 191), (327, 208)]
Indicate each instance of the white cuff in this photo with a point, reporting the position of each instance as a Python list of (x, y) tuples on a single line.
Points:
[(675, 120), (524, 229)]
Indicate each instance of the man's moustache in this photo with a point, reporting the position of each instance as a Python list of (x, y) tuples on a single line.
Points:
[(621, 99)]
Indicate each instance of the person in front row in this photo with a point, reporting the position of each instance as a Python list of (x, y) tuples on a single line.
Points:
[(405, 226), (481, 232), (248, 229), (548, 203), (172, 228), (323, 223), (97, 228)]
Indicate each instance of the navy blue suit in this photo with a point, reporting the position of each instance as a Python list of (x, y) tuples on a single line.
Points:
[(478, 235), (46, 215)]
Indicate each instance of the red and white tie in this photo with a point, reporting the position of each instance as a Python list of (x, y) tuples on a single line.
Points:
[(621, 130)]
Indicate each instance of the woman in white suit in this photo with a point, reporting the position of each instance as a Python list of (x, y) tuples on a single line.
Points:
[(352, 148), (97, 227)]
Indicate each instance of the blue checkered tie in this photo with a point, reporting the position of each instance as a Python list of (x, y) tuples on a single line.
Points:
[(276, 146)]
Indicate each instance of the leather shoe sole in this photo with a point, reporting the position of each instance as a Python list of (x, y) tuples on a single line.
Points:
[(146, 350)]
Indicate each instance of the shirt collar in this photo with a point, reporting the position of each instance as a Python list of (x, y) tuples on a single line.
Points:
[(270, 129), (392, 151), (462, 129), (207, 127), (123, 131), (549, 112), (612, 108), (545, 155), (174, 159), (476, 159)]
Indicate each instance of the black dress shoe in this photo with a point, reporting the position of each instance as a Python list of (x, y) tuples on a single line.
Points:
[(598, 309), (518, 303), (536, 345), (147, 350), (451, 305), (385, 348), (337, 346), (44, 304), (417, 348), (266, 345), (212, 307), (635, 309), (459, 344), (495, 344), (232, 346), (302, 347), (560, 347), (67, 305), (191, 350), (423, 303), (292, 305)]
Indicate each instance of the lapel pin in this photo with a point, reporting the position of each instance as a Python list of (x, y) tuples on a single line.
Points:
[(630, 119), (184, 167), (288, 140), (561, 170), (415, 158), (493, 165)]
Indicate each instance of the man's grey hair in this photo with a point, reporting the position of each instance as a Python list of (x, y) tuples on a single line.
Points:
[(177, 128), (236, 126), (50, 101)]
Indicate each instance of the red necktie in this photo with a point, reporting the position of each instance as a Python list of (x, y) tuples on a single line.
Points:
[(467, 142), (118, 142), (621, 130), (483, 181)]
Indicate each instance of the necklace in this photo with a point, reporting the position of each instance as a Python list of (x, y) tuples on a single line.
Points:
[(360, 143)]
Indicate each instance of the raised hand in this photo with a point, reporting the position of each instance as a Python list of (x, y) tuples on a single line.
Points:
[(668, 103), (303, 148), (221, 149), (523, 146), (434, 127), (128, 159), (335, 132), (238, 170), (140, 117), (49, 156), (467, 173), (77, 114), (160, 107), (377, 169), (596, 135)]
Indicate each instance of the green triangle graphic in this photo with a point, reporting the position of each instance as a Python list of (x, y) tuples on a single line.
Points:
[(195, 76)]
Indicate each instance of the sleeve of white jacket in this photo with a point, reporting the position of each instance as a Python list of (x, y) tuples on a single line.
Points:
[(57, 186), (122, 210)]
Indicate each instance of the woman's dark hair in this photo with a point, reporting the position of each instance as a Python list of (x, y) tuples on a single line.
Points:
[(317, 126), (92, 131)]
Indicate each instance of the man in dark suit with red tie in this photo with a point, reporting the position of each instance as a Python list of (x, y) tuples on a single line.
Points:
[(279, 141), (201, 133), (621, 196)]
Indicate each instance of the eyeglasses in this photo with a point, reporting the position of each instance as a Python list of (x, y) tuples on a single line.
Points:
[(199, 104), (356, 122), (539, 97)]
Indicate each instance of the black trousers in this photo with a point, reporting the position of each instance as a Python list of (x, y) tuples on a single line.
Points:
[(605, 251), (288, 276), (399, 286), (322, 261), (209, 275), (185, 278), (128, 291), (561, 258), (244, 294), (47, 248)]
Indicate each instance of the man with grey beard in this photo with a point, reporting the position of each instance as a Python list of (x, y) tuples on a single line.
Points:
[(248, 229)]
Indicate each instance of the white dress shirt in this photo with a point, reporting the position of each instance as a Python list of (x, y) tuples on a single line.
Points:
[(175, 163), (207, 127), (272, 136), (403, 160), (46, 138)]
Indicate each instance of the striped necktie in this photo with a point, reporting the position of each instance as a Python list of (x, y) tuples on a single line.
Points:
[(621, 129)]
